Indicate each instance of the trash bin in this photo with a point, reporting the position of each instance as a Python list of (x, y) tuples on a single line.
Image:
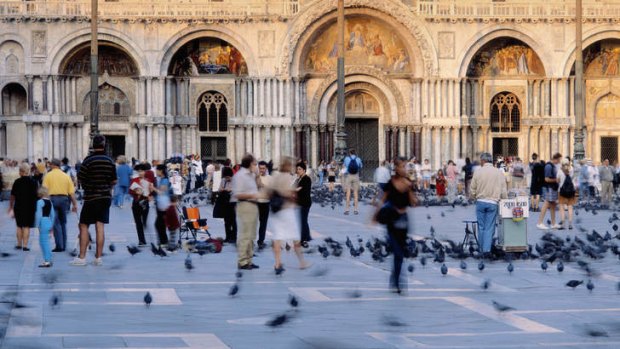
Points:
[(512, 230)]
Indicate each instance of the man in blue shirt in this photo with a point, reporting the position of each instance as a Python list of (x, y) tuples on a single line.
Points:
[(352, 168), (123, 173)]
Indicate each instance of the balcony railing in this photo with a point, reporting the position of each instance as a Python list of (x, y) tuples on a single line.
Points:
[(516, 9), (155, 9)]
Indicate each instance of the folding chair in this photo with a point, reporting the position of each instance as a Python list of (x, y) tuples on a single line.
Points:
[(192, 223)]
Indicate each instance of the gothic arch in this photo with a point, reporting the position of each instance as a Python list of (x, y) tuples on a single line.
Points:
[(359, 86), (188, 34), (321, 11), (484, 37), (70, 42), (590, 38), (592, 102), (396, 103)]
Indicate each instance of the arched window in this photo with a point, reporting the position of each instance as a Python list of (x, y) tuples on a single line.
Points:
[(505, 113), (212, 112)]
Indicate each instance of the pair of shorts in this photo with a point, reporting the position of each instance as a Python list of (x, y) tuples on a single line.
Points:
[(96, 211), (331, 179), (567, 201), (535, 190), (352, 181), (550, 194)]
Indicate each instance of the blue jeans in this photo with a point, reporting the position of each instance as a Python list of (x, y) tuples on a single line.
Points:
[(44, 238), (486, 214), (584, 191), (120, 192), (61, 205), (321, 175)]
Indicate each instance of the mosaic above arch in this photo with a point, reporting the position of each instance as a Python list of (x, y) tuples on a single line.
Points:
[(113, 60), (207, 56), (368, 42), (602, 59), (505, 57)]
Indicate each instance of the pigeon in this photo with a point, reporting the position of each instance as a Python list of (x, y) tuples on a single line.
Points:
[(590, 285), (423, 261), (5, 254), (392, 321), (133, 249), (444, 269), (574, 283), (428, 216), (618, 286), (481, 266), (278, 320), (55, 300), (354, 294), (188, 263), (510, 268), (319, 271), (74, 252), (463, 265), (486, 284), (411, 268), (293, 301), (112, 247), (238, 274), (502, 307), (560, 267), (148, 299), (544, 266), (234, 290)]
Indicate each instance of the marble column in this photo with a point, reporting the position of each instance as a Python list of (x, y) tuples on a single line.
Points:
[(555, 145), (169, 142), (313, 146), (456, 146), (193, 135), (466, 149), (30, 92), (141, 143), (267, 143), (446, 145), (297, 100), (258, 141), (178, 96), (135, 141), (402, 143), (44, 95), (254, 94), (475, 141), (436, 144), (81, 141), (281, 88), (249, 144), (46, 140), (149, 142), (161, 142), (29, 142), (63, 140), (240, 143), (74, 94), (277, 154)]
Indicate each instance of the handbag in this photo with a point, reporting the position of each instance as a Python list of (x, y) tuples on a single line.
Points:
[(221, 204), (387, 214), (276, 202)]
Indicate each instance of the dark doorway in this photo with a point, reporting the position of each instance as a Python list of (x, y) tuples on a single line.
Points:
[(609, 149), (115, 146), (505, 147), (14, 100), (363, 136), (213, 148)]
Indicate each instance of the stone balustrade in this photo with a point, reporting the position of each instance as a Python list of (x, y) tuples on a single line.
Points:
[(163, 10), (519, 10)]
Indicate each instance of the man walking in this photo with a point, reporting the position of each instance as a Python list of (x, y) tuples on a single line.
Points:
[(97, 176), (606, 175), (263, 181), (488, 186), (245, 194), (550, 192), (537, 168), (62, 194), (352, 168)]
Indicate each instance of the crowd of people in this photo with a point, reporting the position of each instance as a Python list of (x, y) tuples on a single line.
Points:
[(254, 195)]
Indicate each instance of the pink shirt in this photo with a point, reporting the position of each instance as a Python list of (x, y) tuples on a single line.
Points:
[(451, 173)]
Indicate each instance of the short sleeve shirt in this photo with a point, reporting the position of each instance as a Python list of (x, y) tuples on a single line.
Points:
[(243, 182), (551, 172)]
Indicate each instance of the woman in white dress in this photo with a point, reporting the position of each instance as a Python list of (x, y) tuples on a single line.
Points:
[(284, 225)]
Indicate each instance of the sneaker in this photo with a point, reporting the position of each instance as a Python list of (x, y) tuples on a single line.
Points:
[(45, 265), (542, 226), (77, 261), (98, 262), (557, 226)]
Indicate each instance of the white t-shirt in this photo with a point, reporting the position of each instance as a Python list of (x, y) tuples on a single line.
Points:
[(217, 180)]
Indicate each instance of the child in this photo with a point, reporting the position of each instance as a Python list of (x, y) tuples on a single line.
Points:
[(44, 220), (440, 185), (173, 223)]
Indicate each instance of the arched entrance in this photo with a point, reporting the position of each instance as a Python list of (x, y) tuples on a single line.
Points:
[(505, 118), (14, 100), (607, 114), (213, 125)]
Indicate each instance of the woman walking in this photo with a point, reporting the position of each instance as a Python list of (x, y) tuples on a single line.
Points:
[(398, 196), (22, 205), (567, 197), (162, 201), (140, 189), (282, 219), (304, 202), (44, 221), (227, 207)]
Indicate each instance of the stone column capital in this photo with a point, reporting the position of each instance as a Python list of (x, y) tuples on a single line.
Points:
[(322, 128)]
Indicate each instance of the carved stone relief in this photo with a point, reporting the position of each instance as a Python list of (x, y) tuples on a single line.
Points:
[(445, 42), (39, 43)]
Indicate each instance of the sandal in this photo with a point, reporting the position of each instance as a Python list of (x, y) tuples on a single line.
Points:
[(279, 270)]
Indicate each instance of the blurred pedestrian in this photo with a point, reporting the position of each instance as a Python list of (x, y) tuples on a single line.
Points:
[(140, 190), (62, 193), (161, 192), (332, 169), (44, 221), (468, 170), (606, 175), (518, 174), (226, 206), (123, 173), (353, 167), (382, 176), (440, 185), (304, 185), (550, 193), (537, 168), (263, 181), (567, 197)]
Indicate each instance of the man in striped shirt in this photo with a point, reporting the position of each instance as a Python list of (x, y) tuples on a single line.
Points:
[(97, 176)]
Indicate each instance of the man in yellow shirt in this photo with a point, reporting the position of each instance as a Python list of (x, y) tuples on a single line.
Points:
[(62, 194)]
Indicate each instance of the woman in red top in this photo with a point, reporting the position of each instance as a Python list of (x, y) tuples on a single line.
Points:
[(140, 189), (440, 185)]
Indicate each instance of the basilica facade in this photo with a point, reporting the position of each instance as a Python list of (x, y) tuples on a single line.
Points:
[(436, 79)]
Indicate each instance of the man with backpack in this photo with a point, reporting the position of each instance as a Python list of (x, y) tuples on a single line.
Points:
[(550, 193), (352, 168)]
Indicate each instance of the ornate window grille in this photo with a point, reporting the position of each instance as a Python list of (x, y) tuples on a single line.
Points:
[(213, 112), (505, 113)]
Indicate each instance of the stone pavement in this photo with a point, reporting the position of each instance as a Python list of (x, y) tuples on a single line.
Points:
[(102, 307)]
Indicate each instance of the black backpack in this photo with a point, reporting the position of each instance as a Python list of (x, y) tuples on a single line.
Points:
[(568, 188), (353, 167)]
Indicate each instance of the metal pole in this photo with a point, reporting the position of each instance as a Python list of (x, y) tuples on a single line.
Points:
[(341, 137), (579, 100), (94, 71)]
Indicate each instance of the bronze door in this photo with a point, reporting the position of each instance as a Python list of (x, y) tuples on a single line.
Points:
[(363, 136)]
